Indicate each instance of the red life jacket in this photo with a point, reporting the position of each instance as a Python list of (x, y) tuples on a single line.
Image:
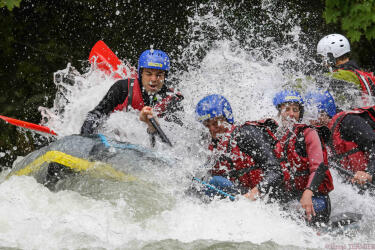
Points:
[(136, 100), (295, 162), (235, 164), (135, 96), (367, 80), (348, 152)]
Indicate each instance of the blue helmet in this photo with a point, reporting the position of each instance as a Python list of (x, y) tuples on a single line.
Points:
[(153, 59), (286, 96), (213, 106), (323, 100)]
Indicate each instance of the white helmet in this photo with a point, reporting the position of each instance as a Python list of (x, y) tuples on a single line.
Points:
[(336, 44)]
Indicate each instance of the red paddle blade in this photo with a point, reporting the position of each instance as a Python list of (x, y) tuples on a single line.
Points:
[(105, 59), (28, 125)]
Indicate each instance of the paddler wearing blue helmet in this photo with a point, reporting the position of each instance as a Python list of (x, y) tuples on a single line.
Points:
[(244, 162), (147, 93), (304, 159), (352, 137)]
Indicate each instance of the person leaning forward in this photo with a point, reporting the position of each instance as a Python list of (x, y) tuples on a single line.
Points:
[(304, 159), (244, 161), (352, 137), (147, 93)]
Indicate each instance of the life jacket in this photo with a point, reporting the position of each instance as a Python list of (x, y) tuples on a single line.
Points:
[(135, 99), (347, 153), (366, 79), (291, 150), (233, 163), (269, 126)]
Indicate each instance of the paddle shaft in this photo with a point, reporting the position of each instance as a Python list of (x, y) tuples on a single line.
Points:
[(231, 197), (163, 137), (349, 174)]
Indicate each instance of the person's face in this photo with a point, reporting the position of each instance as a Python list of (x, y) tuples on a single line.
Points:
[(290, 112), (217, 125), (323, 120), (153, 79)]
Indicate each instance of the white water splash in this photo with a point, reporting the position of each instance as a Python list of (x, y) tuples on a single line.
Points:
[(219, 60)]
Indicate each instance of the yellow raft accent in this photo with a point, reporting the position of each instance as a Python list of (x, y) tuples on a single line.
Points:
[(98, 169)]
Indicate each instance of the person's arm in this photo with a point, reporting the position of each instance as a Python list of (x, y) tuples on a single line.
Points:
[(314, 152), (315, 157), (115, 96), (356, 129), (253, 141)]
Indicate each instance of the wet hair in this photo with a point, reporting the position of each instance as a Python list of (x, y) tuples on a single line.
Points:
[(343, 57)]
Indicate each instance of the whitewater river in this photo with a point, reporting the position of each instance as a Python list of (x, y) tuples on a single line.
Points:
[(153, 211)]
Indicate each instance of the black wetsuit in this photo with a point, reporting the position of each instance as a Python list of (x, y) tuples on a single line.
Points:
[(117, 95), (360, 130), (255, 142)]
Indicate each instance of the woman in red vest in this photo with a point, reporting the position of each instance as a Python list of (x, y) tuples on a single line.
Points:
[(352, 136), (304, 163), (147, 93)]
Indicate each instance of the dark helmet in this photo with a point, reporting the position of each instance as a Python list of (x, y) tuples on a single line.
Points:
[(323, 100), (213, 106)]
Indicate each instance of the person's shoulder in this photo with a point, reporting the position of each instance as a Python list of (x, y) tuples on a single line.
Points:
[(311, 134), (346, 75), (247, 128), (122, 82), (120, 85)]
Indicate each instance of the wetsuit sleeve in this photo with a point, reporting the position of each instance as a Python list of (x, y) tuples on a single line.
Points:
[(116, 95), (314, 152), (355, 128), (252, 141)]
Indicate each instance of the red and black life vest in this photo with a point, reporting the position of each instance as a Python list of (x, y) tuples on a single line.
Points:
[(367, 80), (291, 150), (348, 153), (268, 125), (235, 164), (135, 99)]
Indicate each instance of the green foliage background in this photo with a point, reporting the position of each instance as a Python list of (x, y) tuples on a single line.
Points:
[(357, 18), (39, 37), (10, 4)]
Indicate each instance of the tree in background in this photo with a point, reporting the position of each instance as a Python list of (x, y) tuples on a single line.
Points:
[(357, 18), (10, 4), (357, 22)]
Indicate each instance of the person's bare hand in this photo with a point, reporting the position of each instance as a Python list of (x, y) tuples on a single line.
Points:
[(307, 204), (145, 116), (253, 194), (361, 177)]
